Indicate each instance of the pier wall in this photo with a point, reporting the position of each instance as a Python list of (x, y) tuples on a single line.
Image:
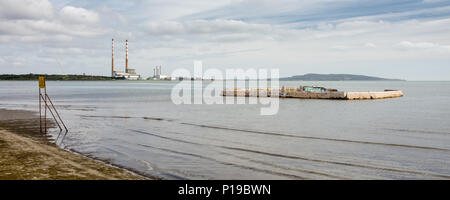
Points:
[(373, 95), (316, 95)]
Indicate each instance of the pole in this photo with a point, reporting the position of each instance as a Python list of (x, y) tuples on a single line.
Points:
[(56, 111), (45, 111), (40, 112), (51, 112)]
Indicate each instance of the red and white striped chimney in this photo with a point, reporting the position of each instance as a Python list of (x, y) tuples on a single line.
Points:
[(112, 58), (126, 61)]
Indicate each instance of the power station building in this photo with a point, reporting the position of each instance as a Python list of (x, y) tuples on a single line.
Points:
[(129, 74), (157, 74)]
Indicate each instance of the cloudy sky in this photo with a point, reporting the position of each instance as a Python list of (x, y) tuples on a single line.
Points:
[(407, 39)]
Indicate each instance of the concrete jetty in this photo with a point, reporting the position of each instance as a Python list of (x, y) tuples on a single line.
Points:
[(311, 92)]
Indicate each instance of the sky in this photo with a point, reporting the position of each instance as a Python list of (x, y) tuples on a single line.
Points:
[(407, 39)]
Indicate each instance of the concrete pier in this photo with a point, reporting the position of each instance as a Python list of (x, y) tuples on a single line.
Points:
[(321, 93)]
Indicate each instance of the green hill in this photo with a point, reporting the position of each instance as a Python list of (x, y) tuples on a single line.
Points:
[(335, 77)]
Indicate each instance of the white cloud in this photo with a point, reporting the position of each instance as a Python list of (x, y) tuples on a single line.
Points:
[(14, 27), (295, 35), (205, 26), (165, 27), (225, 26), (350, 28), (12, 60), (420, 45), (370, 45), (37, 27), (429, 46), (32, 20), (33, 39), (25, 9), (71, 14), (111, 17), (340, 48)]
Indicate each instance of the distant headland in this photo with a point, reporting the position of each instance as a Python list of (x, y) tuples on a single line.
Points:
[(53, 77), (335, 77)]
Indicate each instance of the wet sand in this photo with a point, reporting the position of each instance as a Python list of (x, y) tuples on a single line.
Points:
[(26, 154)]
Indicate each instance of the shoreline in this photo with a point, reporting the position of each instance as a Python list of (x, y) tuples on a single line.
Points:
[(27, 154)]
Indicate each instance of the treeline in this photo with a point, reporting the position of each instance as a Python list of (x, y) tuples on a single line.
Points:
[(53, 77)]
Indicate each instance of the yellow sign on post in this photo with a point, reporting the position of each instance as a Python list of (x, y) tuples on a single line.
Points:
[(41, 82)]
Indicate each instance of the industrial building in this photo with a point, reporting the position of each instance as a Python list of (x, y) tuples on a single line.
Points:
[(157, 75), (129, 74)]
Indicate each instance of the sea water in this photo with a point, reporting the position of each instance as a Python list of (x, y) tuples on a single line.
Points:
[(135, 125)]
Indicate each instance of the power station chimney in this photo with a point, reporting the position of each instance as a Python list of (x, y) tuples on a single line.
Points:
[(126, 59), (112, 58)]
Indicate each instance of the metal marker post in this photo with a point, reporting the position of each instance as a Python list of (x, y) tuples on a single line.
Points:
[(44, 97), (42, 85)]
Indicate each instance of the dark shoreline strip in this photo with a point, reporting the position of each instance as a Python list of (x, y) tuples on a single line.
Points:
[(42, 152)]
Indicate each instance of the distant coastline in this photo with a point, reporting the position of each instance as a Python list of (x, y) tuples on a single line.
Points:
[(53, 77), (77, 77)]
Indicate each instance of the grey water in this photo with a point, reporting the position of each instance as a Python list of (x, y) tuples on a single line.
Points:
[(135, 125)]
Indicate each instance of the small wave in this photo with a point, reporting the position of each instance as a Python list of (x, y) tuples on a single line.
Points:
[(338, 163), (418, 131), (113, 151), (287, 168), (99, 116), (152, 118), (225, 163), (288, 157), (147, 164), (164, 137), (173, 151), (127, 117), (318, 138)]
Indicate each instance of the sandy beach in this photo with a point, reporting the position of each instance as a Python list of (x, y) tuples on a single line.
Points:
[(26, 154)]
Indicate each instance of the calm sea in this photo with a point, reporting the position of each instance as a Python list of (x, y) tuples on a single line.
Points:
[(135, 125)]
